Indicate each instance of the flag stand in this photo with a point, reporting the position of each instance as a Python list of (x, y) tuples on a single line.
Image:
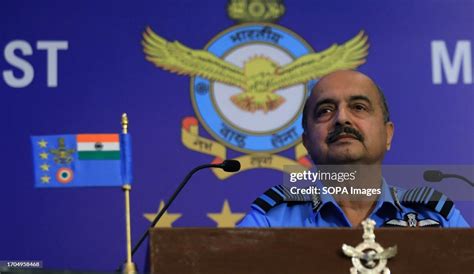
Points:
[(129, 267)]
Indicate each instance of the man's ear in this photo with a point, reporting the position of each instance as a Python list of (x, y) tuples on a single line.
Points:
[(389, 129)]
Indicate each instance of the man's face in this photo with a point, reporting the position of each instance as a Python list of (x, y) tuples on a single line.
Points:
[(345, 122)]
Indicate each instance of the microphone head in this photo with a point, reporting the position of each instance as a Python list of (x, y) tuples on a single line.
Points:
[(433, 175), (230, 165)]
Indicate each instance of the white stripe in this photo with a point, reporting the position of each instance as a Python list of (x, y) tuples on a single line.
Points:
[(90, 146)]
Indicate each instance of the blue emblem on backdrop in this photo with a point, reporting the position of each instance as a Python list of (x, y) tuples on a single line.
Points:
[(255, 127), (249, 86)]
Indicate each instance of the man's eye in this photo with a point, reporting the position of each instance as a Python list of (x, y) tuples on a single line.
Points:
[(360, 107), (323, 111)]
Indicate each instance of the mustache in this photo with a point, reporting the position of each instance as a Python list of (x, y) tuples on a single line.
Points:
[(332, 136)]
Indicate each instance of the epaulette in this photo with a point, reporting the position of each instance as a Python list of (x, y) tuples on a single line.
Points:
[(429, 198), (277, 195)]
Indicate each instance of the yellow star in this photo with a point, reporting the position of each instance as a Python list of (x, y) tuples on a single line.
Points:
[(44, 155), (45, 179), (166, 220), (42, 143), (45, 167), (226, 218)]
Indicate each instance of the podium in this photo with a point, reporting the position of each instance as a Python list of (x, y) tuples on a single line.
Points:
[(318, 250)]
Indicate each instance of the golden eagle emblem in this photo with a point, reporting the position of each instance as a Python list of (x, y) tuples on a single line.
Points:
[(260, 77), (63, 155)]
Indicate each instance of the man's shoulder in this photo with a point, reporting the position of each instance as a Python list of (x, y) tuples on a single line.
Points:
[(427, 199), (280, 196), (279, 207), (431, 203)]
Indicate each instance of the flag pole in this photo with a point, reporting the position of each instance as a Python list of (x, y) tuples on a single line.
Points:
[(129, 267)]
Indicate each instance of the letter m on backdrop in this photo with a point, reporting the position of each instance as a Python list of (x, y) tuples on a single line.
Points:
[(441, 62)]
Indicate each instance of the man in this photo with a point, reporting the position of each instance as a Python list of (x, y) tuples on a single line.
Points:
[(346, 122)]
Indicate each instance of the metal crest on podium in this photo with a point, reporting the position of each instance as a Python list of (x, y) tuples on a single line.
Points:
[(369, 257)]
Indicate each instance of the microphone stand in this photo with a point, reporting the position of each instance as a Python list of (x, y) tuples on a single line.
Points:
[(168, 203), (458, 177)]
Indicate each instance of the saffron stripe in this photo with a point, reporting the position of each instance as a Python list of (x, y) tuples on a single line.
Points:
[(97, 138)]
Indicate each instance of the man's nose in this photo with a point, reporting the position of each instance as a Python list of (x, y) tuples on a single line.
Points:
[(342, 117)]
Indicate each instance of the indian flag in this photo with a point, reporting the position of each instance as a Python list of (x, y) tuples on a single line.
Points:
[(98, 146)]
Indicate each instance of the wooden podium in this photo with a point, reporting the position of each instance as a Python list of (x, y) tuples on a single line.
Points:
[(222, 251)]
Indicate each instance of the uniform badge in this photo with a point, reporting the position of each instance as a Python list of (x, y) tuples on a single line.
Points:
[(249, 85), (411, 220)]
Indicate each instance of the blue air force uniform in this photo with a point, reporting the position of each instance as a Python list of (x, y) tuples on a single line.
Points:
[(417, 207)]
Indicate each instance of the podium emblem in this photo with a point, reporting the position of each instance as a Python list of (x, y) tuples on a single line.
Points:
[(369, 257)]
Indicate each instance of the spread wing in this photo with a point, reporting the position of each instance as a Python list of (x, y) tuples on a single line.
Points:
[(428, 222), (387, 253), (395, 222), (315, 65), (351, 251), (175, 57)]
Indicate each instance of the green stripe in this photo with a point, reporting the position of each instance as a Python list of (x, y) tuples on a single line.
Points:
[(99, 155)]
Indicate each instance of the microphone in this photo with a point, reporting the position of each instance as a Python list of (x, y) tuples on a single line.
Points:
[(433, 176), (230, 165), (227, 166), (436, 176)]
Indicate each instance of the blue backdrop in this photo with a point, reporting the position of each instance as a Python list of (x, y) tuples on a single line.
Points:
[(103, 73)]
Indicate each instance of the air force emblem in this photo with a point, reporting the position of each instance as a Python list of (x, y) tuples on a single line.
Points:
[(369, 256), (249, 84), (62, 154)]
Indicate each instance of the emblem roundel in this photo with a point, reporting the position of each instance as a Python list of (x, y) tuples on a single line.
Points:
[(257, 118), (64, 175)]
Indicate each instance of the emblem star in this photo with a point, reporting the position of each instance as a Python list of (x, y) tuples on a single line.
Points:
[(42, 143), (226, 218), (45, 179), (166, 220), (44, 167), (44, 155)]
